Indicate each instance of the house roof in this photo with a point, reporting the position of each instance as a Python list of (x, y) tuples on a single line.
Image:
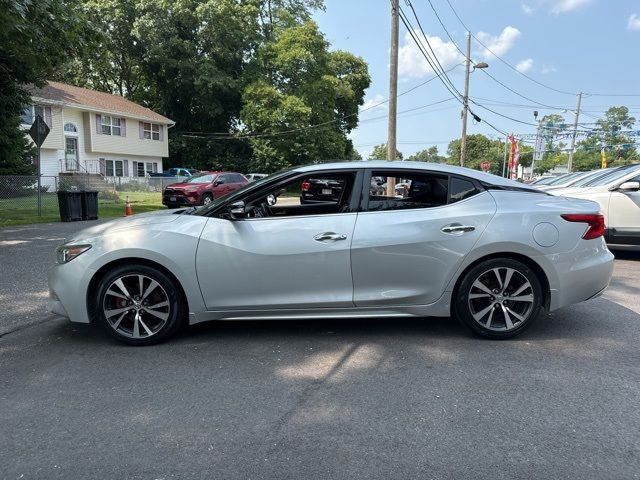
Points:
[(70, 95)]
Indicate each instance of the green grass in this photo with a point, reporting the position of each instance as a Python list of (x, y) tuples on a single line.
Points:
[(23, 210)]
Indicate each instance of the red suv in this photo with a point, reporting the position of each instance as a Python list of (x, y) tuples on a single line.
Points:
[(202, 189)]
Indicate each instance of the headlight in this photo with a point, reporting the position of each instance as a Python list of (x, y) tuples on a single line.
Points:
[(66, 253)]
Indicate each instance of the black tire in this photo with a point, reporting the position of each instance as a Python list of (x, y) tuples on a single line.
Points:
[(206, 198), (509, 317), (165, 321)]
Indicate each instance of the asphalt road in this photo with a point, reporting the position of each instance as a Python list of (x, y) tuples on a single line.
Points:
[(380, 399)]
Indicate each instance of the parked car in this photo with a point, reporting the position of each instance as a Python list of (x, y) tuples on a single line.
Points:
[(618, 195), (202, 189), (252, 177), (448, 248), (579, 180), (321, 190), (176, 172)]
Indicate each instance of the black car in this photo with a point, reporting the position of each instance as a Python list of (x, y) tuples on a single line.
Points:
[(321, 190)]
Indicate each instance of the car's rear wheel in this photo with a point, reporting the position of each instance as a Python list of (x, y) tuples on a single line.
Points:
[(499, 298), (206, 199), (139, 305)]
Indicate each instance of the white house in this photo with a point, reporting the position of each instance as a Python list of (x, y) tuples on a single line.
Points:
[(97, 133)]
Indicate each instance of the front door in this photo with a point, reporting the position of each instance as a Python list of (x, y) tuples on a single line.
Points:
[(623, 219), (283, 255), (71, 154)]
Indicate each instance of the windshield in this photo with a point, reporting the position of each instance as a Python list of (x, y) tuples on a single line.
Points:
[(241, 191), (207, 178), (611, 177), (563, 178), (590, 178), (544, 181)]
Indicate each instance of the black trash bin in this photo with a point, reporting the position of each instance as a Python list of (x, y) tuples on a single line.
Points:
[(70, 205), (89, 205)]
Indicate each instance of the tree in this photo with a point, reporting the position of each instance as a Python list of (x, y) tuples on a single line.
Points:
[(379, 152), (303, 103), (35, 37), (428, 155), (479, 149)]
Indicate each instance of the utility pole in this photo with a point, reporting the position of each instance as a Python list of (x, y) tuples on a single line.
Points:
[(393, 93), (504, 159), (539, 146), (575, 132), (465, 102)]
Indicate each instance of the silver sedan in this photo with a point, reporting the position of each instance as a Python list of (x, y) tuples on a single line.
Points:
[(493, 253)]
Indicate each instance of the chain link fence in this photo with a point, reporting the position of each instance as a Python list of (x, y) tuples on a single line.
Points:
[(19, 195)]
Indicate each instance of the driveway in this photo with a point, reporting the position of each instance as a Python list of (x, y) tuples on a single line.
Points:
[(392, 398)]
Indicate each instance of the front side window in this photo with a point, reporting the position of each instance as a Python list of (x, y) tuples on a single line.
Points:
[(315, 194), (111, 125), (409, 190)]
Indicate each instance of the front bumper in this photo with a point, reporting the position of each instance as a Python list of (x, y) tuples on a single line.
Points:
[(179, 200), (68, 290)]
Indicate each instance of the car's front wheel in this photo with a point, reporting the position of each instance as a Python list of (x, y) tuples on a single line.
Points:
[(139, 305), (499, 298), (206, 199)]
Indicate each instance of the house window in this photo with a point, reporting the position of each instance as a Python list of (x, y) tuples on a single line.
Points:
[(145, 167), (30, 111), (70, 127), (151, 131), (110, 125), (114, 168)]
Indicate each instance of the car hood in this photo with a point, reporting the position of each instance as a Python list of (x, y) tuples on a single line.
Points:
[(141, 219), (182, 186)]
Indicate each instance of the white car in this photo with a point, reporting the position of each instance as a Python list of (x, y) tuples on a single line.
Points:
[(618, 194), (252, 177), (492, 252)]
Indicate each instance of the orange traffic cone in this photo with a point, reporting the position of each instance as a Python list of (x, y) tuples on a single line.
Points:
[(127, 208)]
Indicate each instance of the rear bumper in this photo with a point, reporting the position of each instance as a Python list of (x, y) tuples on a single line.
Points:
[(581, 275)]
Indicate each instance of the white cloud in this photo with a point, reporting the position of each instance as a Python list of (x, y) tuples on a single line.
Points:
[(563, 6), (634, 22), (546, 69), (501, 44), (527, 9), (524, 65), (375, 103), (411, 62)]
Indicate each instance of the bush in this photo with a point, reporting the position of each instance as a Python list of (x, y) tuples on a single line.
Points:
[(133, 186), (110, 196)]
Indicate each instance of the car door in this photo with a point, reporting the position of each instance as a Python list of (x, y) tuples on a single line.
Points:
[(220, 185), (623, 219), (406, 248), (299, 258)]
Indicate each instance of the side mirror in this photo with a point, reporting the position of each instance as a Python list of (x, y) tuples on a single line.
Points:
[(629, 187), (236, 210)]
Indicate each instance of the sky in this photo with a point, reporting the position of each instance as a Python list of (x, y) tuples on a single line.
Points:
[(589, 46)]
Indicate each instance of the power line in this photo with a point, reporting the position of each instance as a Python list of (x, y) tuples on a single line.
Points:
[(445, 81), (527, 76)]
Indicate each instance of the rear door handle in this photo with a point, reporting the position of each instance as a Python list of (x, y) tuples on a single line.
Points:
[(457, 228), (329, 237)]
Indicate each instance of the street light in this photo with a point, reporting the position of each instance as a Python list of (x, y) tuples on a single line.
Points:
[(465, 103)]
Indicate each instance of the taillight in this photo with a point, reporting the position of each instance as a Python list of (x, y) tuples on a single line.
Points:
[(305, 186), (594, 220)]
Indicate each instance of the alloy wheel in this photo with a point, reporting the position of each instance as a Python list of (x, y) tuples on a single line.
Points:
[(136, 306), (501, 299)]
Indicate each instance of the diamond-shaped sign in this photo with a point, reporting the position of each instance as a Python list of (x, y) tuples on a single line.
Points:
[(39, 131)]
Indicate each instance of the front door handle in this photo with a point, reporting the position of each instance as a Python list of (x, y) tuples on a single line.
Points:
[(457, 228), (329, 237)]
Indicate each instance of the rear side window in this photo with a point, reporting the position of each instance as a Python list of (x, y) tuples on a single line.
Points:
[(460, 189), (408, 190)]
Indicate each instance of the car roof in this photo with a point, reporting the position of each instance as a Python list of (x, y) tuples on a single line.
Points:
[(487, 178)]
